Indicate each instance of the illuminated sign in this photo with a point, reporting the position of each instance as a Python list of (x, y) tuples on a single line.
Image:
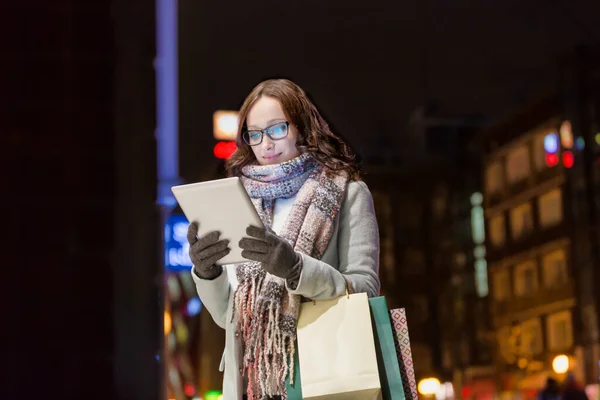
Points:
[(176, 245)]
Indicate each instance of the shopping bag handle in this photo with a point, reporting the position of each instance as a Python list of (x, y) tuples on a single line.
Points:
[(347, 289)]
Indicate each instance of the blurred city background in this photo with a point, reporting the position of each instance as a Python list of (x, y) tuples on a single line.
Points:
[(478, 124)]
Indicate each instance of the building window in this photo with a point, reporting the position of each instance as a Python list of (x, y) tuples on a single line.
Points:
[(532, 341), (555, 269), (521, 220), (526, 279), (504, 344), (494, 179), (502, 286), (550, 208), (560, 331), (497, 230), (517, 165)]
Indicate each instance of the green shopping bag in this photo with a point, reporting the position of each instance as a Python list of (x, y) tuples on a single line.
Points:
[(387, 360), (294, 392)]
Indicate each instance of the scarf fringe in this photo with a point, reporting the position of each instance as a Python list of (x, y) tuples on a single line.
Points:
[(268, 350)]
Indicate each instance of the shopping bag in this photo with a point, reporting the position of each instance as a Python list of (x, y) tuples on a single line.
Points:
[(404, 353), (389, 370), (336, 350)]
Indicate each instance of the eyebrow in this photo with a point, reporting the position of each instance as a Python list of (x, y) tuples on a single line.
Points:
[(269, 123)]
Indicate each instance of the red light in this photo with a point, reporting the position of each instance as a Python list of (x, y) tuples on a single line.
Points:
[(466, 392), (551, 159), (568, 159), (224, 150), (189, 389)]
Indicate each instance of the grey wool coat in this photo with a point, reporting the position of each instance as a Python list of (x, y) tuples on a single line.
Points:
[(352, 253)]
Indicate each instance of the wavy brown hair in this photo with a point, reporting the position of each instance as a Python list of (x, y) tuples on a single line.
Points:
[(314, 135)]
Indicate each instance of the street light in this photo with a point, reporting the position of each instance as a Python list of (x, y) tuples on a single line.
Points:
[(428, 386), (560, 364)]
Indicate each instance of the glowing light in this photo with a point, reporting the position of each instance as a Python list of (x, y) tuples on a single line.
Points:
[(477, 225), (194, 306), (225, 125), (566, 135), (481, 278), (176, 246), (224, 150), (476, 199), (479, 251), (167, 319), (568, 159), (428, 386), (189, 389), (181, 333), (213, 395), (551, 143), (560, 364), (522, 363), (579, 143), (597, 137), (551, 159)]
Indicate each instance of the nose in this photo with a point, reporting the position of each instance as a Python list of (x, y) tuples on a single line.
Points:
[(267, 143)]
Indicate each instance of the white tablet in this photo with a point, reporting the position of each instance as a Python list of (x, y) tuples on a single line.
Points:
[(221, 205)]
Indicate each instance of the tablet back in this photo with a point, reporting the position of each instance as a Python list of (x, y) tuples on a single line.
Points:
[(220, 205)]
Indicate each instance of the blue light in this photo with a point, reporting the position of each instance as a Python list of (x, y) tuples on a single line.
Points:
[(177, 248), (551, 143), (194, 306), (579, 143)]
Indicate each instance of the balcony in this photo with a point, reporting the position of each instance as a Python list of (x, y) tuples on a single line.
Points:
[(538, 299)]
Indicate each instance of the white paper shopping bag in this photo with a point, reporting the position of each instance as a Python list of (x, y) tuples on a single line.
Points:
[(336, 350)]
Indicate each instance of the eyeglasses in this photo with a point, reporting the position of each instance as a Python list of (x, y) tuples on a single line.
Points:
[(276, 131)]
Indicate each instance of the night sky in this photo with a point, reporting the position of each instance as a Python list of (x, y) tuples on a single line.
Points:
[(370, 64)]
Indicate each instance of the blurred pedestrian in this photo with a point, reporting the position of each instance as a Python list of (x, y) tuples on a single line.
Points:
[(572, 390), (551, 391), (321, 237)]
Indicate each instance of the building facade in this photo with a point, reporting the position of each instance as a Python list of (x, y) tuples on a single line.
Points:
[(533, 262)]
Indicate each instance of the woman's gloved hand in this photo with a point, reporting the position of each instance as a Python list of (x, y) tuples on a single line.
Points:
[(206, 251), (275, 254)]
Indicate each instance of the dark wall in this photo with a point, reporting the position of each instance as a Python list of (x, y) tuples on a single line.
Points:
[(59, 184)]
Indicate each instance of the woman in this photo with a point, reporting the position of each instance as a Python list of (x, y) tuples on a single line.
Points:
[(322, 237)]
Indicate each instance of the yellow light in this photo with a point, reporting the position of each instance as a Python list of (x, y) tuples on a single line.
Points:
[(597, 138), (560, 364), (225, 125), (428, 386), (566, 135), (167, 322), (522, 363)]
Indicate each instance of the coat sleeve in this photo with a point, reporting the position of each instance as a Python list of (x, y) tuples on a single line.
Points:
[(214, 295), (358, 252)]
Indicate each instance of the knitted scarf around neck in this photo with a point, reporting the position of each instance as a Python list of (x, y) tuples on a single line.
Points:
[(267, 313)]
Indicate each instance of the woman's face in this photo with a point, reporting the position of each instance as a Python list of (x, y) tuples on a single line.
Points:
[(267, 115)]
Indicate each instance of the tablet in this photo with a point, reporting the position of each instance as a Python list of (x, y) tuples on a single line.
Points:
[(221, 205)]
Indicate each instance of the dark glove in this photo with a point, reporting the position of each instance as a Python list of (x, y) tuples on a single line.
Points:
[(276, 255), (206, 251)]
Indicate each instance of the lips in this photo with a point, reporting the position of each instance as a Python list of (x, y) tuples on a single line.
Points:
[(271, 156)]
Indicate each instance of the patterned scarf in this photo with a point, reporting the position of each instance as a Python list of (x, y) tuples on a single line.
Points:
[(267, 313)]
